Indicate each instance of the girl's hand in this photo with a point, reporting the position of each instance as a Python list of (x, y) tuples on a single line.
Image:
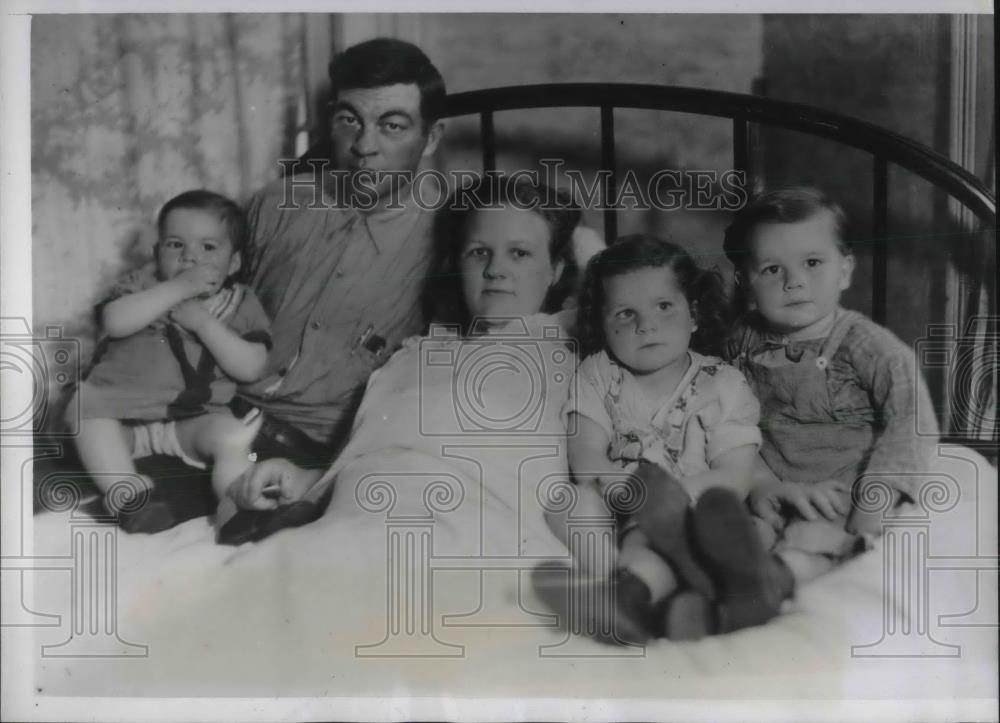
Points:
[(191, 315), (198, 281), (829, 499)]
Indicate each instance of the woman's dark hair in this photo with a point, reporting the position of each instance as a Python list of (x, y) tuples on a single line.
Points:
[(232, 216), (443, 301), (787, 205), (703, 290), (388, 61)]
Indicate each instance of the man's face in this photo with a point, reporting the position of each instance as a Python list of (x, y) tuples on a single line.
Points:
[(380, 129)]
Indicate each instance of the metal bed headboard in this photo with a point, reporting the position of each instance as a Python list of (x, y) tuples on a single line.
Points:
[(745, 111)]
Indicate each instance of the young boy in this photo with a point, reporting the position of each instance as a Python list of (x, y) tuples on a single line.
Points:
[(839, 394), (176, 341)]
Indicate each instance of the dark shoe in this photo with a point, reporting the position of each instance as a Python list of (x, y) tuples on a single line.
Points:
[(138, 508), (614, 612), (634, 620), (752, 583), (186, 491), (255, 525), (152, 517), (689, 616), (665, 520)]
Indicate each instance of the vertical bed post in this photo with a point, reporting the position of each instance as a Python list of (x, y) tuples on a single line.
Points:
[(609, 165), (880, 240), (489, 141), (743, 153)]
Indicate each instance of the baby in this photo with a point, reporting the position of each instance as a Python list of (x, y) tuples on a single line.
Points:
[(839, 394), (176, 341), (681, 428)]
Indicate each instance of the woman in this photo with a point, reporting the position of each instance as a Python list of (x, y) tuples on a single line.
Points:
[(492, 374)]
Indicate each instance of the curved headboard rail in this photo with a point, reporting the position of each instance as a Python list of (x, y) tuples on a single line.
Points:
[(884, 146), (878, 141), (748, 111)]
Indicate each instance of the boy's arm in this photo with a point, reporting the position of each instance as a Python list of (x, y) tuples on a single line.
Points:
[(900, 455), (899, 395), (128, 314), (240, 359)]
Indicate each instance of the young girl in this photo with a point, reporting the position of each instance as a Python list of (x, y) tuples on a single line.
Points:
[(686, 425), (839, 393), (176, 342)]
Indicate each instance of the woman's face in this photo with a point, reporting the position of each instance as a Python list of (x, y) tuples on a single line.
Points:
[(505, 264)]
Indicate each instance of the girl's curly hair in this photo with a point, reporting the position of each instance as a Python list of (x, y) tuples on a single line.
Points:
[(703, 289)]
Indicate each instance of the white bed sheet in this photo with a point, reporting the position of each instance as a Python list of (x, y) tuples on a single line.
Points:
[(283, 618)]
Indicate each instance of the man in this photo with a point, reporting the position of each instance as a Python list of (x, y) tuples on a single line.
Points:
[(340, 253)]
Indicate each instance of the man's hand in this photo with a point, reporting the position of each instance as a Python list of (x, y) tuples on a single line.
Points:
[(191, 315), (271, 483), (829, 499), (198, 281)]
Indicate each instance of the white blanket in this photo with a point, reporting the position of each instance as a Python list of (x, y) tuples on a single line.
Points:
[(308, 612)]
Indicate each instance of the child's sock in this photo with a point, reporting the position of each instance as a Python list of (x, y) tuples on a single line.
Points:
[(664, 520), (586, 611), (752, 582), (634, 613)]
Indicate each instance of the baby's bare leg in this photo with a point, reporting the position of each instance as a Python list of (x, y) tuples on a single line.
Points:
[(105, 448)]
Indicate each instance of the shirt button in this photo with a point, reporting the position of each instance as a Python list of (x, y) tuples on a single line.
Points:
[(339, 274), (314, 325)]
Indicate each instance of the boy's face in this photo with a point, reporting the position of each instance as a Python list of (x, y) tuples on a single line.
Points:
[(647, 319), (195, 237), (381, 129), (797, 272)]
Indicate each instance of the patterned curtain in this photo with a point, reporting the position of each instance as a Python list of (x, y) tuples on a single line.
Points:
[(130, 110)]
